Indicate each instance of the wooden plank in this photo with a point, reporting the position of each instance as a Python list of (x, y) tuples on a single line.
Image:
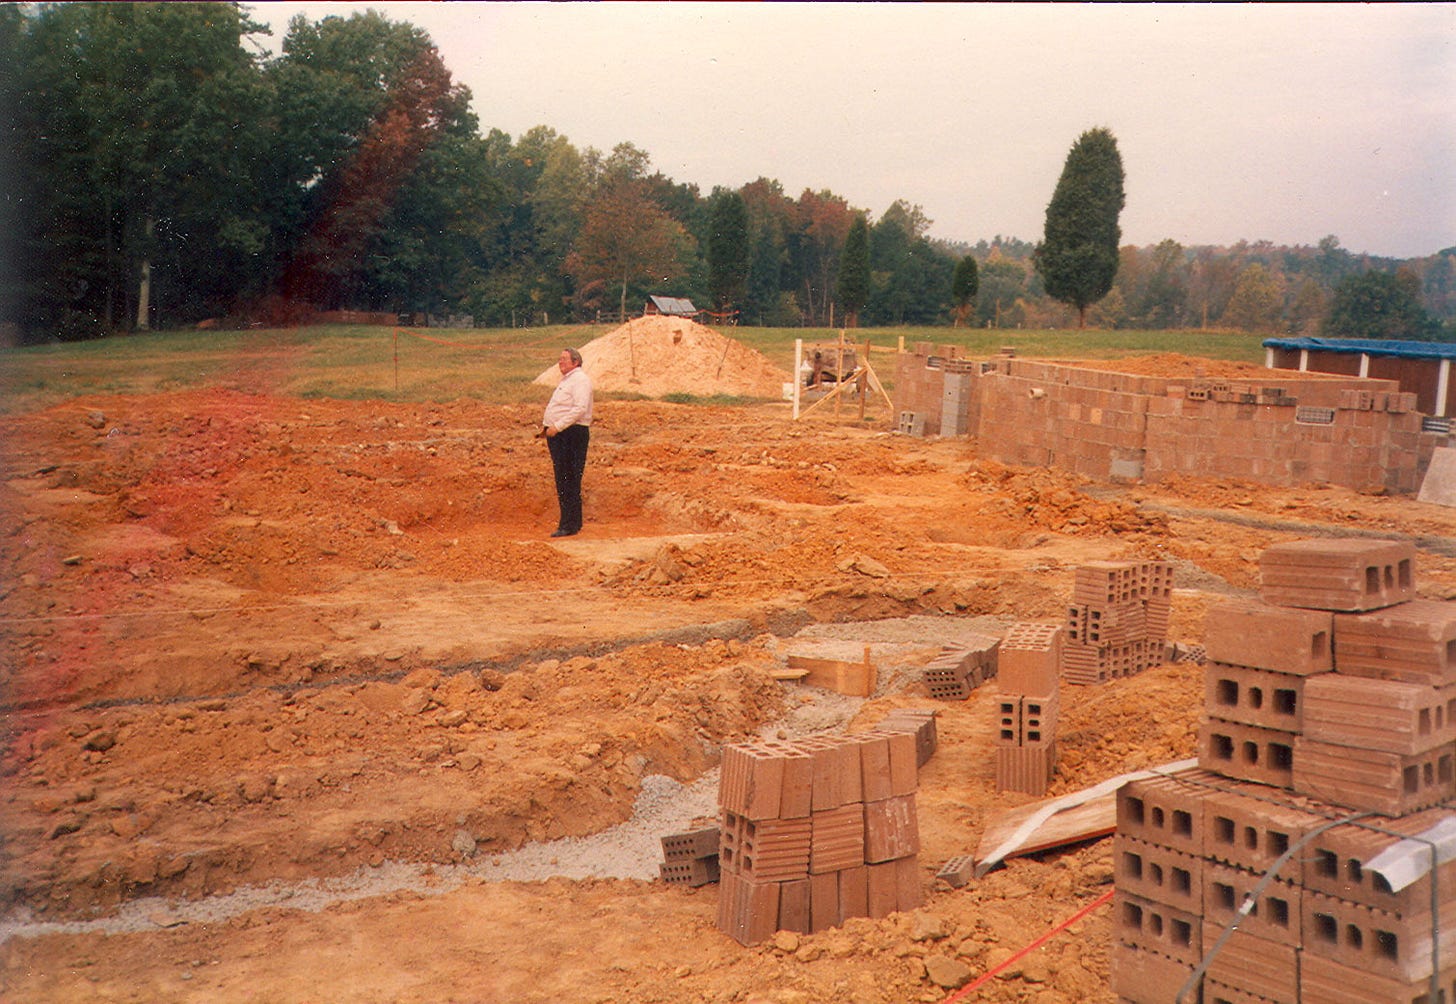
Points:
[(1055, 822), (857, 679), (788, 673)]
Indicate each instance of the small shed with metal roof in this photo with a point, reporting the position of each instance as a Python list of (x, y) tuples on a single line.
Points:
[(1421, 368), (672, 306)]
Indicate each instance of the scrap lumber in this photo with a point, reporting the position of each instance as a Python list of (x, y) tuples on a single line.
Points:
[(1056, 822), (856, 679)]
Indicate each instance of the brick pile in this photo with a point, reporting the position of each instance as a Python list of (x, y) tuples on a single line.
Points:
[(1117, 623), (960, 669), (1027, 707), (816, 831), (690, 858), (1267, 872)]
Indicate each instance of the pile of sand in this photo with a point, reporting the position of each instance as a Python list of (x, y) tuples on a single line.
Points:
[(658, 355)]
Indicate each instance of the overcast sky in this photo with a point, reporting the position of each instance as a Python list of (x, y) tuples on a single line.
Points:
[(1248, 121)]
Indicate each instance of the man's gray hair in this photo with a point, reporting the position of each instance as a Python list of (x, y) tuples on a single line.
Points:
[(575, 356)]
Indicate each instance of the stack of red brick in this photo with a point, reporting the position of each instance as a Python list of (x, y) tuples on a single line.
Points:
[(690, 858), (1295, 863), (816, 831), (1026, 711), (1117, 623), (961, 668)]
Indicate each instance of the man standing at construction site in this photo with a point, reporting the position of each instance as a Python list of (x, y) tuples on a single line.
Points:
[(567, 428)]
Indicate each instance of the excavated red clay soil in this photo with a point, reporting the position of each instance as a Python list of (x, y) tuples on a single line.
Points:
[(251, 639)]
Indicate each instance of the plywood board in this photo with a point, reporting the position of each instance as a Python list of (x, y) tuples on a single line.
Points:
[(1055, 822), (857, 679)]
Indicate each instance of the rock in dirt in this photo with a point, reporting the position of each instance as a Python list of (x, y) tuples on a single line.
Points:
[(100, 741), (946, 972), (463, 844)]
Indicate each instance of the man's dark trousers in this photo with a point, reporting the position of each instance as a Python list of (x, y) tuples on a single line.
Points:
[(568, 460)]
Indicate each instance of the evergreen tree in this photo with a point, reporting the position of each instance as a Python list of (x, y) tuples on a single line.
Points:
[(1077, 258), (854, 271), (727, 248), (963, 287)]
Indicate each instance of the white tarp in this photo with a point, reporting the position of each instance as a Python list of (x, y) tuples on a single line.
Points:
[(1402, 863)]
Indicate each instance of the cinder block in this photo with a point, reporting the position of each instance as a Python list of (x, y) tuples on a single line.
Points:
[(1140, 976), (1381, 944), (837, 771), (1282, 639), (1274, 915), (770, 850), (751, 781), (1107, 625), (699, 843), (1327, 981), (883, 883), (1247, 752), (853, 892), (874, 758), (796, 789), (1387, 783), (1026, 721), (1105, 583), (891, 829), (1251, 826), (690, 871), (909, 893), (919, 722), (1030, 657), (1156, 927), (1166, 810), (1254, 696), (904, 759), (1158, 873), (1085, 665), (957, 871), (748, 910), (794, 900), (1334, 864), (837, 839), (1414, 642), (1158, 612), (1039, 719), (947, 684), (1340, 575), (1386, 715), (1268, 970), (1008, 720), (1026, 769)]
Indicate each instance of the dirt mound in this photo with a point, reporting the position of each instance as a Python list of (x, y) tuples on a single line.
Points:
[(658, 355)]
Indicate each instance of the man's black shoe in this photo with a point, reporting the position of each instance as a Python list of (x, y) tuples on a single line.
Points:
[(563, 533)]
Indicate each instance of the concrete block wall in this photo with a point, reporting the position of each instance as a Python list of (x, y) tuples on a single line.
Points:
[(1284, 430), (1315, 758), (815, 831)]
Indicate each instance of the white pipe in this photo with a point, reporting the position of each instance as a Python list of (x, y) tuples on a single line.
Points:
[(1443, 384), (1364, 365)]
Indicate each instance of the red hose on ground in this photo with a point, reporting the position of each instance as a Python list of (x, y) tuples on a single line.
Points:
[(991, 973)]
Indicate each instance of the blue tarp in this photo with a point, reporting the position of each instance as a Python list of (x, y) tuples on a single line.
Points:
[(1366, 346)]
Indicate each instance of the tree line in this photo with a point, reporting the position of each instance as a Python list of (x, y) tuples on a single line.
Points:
[(162, 169)]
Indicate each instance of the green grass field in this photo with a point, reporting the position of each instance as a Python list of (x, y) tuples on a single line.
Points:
[(491, 365)]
